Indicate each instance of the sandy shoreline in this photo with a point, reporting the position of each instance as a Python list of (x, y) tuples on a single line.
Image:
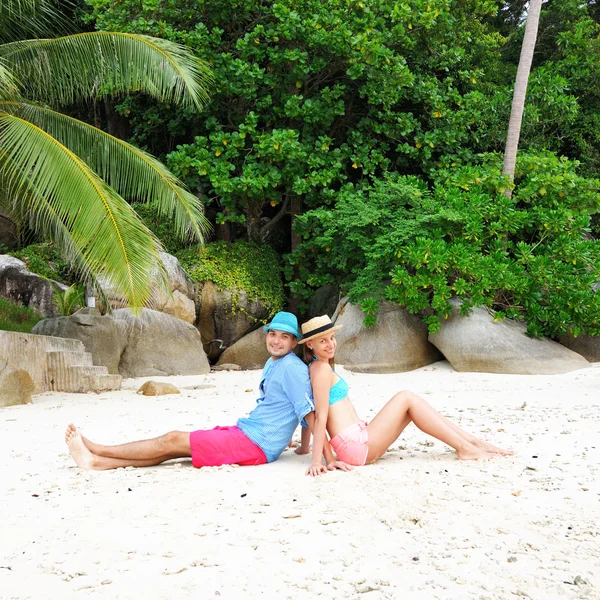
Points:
[(418, 524)]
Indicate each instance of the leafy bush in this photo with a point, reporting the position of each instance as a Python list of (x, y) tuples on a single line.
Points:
[(45, 260), (239, 266), (15, 317), (528, 257)]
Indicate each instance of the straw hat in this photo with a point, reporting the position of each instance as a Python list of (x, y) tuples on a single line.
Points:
[(316, 327)]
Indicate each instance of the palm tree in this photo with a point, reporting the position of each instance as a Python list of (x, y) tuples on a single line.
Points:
[(69, 181), (520, 91)]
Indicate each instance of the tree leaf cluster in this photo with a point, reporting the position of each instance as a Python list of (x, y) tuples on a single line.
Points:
[(529, 257)]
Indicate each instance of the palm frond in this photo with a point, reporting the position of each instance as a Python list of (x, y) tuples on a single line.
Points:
[(131, 172), (21, 19), (96, 64), (66, 198)]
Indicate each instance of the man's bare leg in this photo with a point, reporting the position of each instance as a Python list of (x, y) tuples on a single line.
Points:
[(145, 453)]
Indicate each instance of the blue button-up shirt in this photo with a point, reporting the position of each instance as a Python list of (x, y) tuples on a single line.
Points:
[(285, 398)]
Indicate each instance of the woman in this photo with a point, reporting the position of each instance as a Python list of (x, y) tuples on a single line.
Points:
[(354, 441)]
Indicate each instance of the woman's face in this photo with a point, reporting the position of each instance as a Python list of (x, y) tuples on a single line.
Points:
[(324, 346)]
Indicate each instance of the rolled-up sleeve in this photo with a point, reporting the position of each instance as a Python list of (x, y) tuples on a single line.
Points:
[(296, 385)]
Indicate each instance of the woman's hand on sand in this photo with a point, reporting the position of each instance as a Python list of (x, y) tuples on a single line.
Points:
[(316, 470), (338, 464)]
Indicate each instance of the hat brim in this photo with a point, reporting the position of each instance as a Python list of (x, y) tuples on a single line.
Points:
[(320, 334), (282, 327)]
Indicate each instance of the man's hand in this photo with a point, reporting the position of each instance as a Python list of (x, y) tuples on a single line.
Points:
[(316, 470), (338, 464)]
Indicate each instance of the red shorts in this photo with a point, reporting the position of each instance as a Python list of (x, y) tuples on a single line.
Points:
[(224, 446)]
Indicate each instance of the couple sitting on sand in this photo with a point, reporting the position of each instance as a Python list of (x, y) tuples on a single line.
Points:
[(287, 388)]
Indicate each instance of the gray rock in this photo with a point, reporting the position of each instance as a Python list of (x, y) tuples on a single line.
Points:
[(228, 367), (219, 324), (103, 337), (179, 302), (159, 344), (16, 385), (250, 352), (324, 301), (397, 343), (477, 344), (21, 286), (586, 345), (157, 388)]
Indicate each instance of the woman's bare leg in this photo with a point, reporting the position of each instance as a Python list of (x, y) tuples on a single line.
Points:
[(145, 453), (405, 407)]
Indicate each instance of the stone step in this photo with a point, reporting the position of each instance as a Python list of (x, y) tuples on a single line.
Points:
[(62, 359), (81, 379), (104, 382)]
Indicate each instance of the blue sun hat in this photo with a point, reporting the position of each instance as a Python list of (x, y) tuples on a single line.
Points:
[(284, 321)]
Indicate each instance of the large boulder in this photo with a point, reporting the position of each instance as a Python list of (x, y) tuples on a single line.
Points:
[(586, 345), (397, 343), (21, 286), (477, 343), (250, 352), (225, 316), (16, 385), (179, 302), (102, 336), (159, 344), (324, 301)]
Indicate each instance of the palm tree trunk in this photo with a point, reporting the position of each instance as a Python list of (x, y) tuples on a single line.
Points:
[(516, 112)]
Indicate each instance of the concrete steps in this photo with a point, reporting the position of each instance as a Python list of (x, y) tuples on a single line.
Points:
[(72, 371)]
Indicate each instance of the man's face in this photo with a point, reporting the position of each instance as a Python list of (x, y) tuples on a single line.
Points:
[(280, 343)]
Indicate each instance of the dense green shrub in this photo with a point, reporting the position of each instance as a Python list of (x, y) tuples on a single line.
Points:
[(45, 260), (239, 266), (15, 317), (528, 257)]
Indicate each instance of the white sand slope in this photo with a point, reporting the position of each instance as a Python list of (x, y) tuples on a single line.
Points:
[(418, 524)]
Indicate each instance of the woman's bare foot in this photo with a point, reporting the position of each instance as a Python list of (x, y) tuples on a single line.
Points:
[(491, 448), (302, 450), (472, 452), (81, 455)]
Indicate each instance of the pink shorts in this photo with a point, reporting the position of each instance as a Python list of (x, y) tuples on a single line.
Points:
[(350, 445), (224, 446)]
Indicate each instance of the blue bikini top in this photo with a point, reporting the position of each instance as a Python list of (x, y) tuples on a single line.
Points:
[(338, 391)]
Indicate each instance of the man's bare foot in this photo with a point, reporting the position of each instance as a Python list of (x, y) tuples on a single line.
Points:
[(302, 450), (88, 444), (491, 448), (81, 455), (472, 452)]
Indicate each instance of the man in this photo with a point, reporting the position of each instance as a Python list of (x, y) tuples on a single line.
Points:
[(285, 399)]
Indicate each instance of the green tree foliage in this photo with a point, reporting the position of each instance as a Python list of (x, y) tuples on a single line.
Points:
[(527, 257), (311, 94), (69, 181)]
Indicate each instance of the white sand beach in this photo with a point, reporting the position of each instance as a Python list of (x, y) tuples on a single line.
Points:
[(419, 524)]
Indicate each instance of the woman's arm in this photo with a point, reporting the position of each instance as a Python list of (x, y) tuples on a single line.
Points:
[(321, 376)]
